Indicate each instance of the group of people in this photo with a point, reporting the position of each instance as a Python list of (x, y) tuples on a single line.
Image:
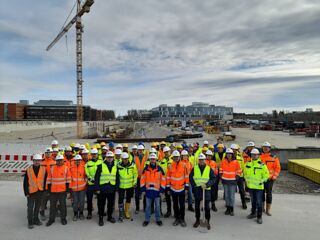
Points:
[(172, 171)]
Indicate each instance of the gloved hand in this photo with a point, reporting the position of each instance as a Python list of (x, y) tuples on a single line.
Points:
[(203, 186)]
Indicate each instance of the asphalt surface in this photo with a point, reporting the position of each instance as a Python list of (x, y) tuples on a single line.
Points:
[(294, 217)]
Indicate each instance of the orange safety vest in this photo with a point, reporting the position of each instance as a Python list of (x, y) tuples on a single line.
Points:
[(246, 158), (152, 179), (177, 176), (273, 164), (58, 177), (213, 165), (188, 164), (48, 163), (68, 162), (140, 164), (230, 170), (161, 155), (35, 183), (78, 177)]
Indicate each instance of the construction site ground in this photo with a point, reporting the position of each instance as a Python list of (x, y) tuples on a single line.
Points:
[(294, 216)]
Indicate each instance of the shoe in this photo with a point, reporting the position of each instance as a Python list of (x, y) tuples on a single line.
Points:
[(145, 223), (183, 223), (259, 220), (176, 222), (227, 212), (81, 216), (168, 214), (231, 211), (196, 224), (268, 209), (252, 216), (111, 219), (190, 208), (159, 223), (64, 221), (30, 226), (208, 224), (89, 216), (213, 207), (126, 211), (49, 223), (75, 216), (37, 222), (120, 220), (101, 222)]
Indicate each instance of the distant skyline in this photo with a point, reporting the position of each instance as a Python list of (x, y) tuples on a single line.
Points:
[(252, 55)]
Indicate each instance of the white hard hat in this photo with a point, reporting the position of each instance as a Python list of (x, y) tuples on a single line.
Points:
[(54, 142), (59, 157), (77, 157), (234, 146), (82, 147), (140, 147), (134, 147), (166, 149), (124, 155), (104, 148), (255, 151), (118, 151), (184, 152), (48, 150), (37, 157), (250, 144), (153, 150), (85, 151), (229, 150), (176, 153), (94, 151), (55, 150), (68, 148), (201, 156), (119, 146), (205, 142), (266, 144), (77, 145), (110, 154), (209, 152), (152, 156)]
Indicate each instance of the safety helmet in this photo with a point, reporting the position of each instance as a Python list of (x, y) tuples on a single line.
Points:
[(111, 144), (59, 157), (85, 151), (153, 144), (104, 148), (55, 150), (201, 156), (37, 157), (140, 147), (68, 149), (77, 145), (205, 149), (77, 157), (211, 146), (119, 146), (125, 145), (82, 147), (229, 150), (175, 153), (48, 150), (220, 145), (163, 143), (250, 144), (124, 155), (54, 142), (266, 144), (134, 147), (102, 144), (110, 154), (152, 156), (205, 142), (209, 152), (184, 152), (179, 146), (94, 151), (234, 146), (255, 151), (153, 150), (98, 146), (166, 149), (118, 151)]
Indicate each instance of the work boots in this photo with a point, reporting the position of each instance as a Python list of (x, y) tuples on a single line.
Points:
[(208, 224), (259, 218), (81, 216), (127, 211), (227, 212), (197, 223), (30, 225), (168, 214), (89, 216), (213, 207), (183, 223), (231, 211), (120, 212), (268, 209), (75, 216), (252, 215), (101, 222), (176, 222)]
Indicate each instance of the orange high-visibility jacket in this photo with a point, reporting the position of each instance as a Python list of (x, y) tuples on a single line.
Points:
[(58, 177), (229, 170), (78, 176), (36, 183), (48, 163), (161, 155), (273, 164), (153, 179), (188, 164), (140, 164), (177, 176), (213, 165), (68, 162), (246, 158)]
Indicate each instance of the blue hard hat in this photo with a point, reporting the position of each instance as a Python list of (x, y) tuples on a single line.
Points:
[(111, 144)]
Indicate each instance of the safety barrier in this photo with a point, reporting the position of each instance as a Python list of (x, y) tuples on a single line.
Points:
[(15, 163)]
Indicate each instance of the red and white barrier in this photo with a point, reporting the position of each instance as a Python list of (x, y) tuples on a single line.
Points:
[(14, 163)]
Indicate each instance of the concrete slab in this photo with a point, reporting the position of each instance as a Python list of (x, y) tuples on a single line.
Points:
[(294, 217)]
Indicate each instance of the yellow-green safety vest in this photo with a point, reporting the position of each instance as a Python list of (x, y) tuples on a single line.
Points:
[(90, 169), (201, 179), (107, 176), (128, 175), (255, 174)]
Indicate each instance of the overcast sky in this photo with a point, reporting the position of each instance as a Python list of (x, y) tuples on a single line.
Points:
[(252, 55)]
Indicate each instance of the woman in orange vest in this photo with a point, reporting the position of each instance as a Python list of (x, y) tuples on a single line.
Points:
[(230, 172), (34, 185), (58, 182), (78, 186), (213, 165), (273, 165)]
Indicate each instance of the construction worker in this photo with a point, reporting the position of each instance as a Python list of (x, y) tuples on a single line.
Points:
[(140, 161), (90, 169), (202, 178), (247, 152), (78, 186), (133, 153), (58, 182), (103, 154), (218, 157), (55, 152), (111, 147), (230, 172), (219, 141), (117, 156), (164, 164), (68, 156), (161, 153), (54, 144), (240, 181), (273, 165), (76, 149), (192, 158), (213, 165), (152, 183), (256, 174), (185, 159), (177, 183), (128, 181), (47, 162), (107, 179), (34, 184), (85, 155)]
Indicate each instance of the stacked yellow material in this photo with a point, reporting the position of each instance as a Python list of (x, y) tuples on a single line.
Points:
[(308, 168)]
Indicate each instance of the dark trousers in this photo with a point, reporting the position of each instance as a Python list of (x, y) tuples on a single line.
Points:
[(240, 184), (198, 205), (125, 193), (178, 205), (78, 200), (60, 197), (34, 203), (214, 190), (267, 195), (137, 194), (256, 201), (89, 193), (168, 201), (102, 198), (45, 199)]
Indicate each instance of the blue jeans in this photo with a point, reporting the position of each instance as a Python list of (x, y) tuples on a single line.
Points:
[(156, 209), (256, 201), (229, 193)]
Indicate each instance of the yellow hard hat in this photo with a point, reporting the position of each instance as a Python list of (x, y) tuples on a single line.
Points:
[(87, 146), (125, 145), (102, 144), (179, 146), (98, 145), (220, 145), (163, 143), (211, 146), (72, 144), (205, 149), (153, 144)]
